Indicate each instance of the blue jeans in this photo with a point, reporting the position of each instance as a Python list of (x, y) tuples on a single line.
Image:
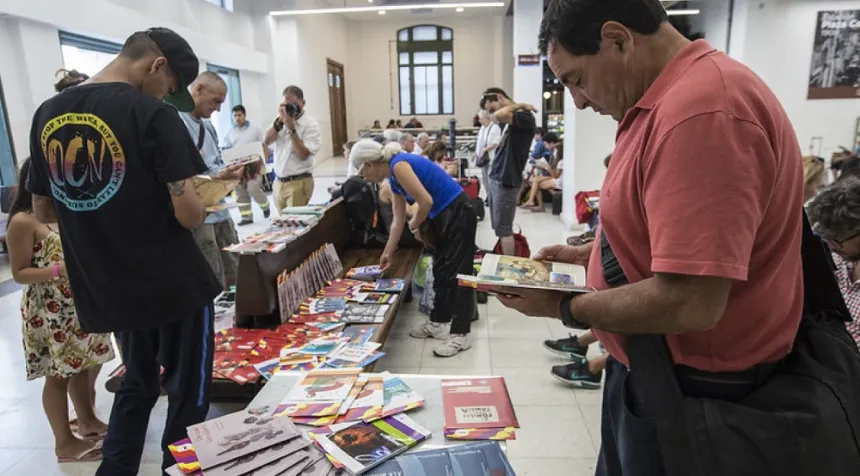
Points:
[(185, 349)]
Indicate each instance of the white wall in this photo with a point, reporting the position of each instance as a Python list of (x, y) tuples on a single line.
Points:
[(775, 39), (372, 79), (29, 33), (528, 80), (714, 22)]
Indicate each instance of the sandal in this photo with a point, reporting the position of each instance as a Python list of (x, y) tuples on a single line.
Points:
[(94, 436), (86, 456)]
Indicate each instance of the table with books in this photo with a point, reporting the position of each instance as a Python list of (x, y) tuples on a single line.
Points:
[(330, 422)]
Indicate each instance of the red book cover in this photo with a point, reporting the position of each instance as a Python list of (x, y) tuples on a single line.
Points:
[(477, 403)]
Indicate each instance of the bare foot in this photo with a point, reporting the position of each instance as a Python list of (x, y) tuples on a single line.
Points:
[(74, 449), (92, 430)]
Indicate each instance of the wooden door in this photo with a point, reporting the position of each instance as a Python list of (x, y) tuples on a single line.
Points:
[(337, 106)]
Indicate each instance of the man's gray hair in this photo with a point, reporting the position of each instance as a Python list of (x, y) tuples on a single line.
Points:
[(210, 80), (391, 135), (422, 135), (404, 138), (485, 115), (835, 212)]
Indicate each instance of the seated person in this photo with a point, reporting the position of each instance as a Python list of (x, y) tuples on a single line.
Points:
[(552, 180), (436, 153), (833, 216)]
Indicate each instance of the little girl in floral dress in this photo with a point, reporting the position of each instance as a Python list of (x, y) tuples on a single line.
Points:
[(54, 345)]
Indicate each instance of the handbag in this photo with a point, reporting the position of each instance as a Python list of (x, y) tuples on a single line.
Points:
[(803, 420)]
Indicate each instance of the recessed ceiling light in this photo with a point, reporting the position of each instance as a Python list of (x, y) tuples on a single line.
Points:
[(382, 12), (460, 10), (691, 11), (371, 8)]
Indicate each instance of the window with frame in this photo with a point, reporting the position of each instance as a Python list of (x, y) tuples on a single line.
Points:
[(425, 58), (225, 4), (223, 119), (87, 55), (8, 169)]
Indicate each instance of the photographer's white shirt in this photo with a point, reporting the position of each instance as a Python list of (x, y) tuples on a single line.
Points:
[(287, 160)]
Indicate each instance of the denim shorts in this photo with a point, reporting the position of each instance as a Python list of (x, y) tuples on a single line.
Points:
[(503, 207)]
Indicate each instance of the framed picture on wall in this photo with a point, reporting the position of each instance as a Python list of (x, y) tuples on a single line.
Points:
[(835, 71)]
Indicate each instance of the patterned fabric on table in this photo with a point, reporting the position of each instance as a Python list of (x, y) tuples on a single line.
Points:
[(851, 292), (54, 344)]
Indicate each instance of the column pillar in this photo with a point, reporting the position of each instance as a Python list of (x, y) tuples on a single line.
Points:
[(528, 80)]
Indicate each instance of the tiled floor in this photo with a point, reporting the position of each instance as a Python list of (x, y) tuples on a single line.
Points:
[(560, 425)]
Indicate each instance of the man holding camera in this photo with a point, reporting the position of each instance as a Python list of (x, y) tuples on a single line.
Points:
[(297, 138)]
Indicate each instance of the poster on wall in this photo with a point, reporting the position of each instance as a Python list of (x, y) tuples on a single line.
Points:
[(835, 72)]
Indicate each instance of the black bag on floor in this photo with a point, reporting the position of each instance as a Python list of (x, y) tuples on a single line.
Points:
[(362, 208), (804, 420)]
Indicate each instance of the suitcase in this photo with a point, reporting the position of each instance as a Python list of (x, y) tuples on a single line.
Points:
[(472, 186)]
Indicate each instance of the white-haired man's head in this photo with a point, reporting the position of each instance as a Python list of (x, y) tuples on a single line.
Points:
[(209, 92), (407, 142), (423, 140), (485, 117), (391, 135)]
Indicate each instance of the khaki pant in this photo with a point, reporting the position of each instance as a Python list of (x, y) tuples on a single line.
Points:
[(296, 193), (247, 190), (212, 238)]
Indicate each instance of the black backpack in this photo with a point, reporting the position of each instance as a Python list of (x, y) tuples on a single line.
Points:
[(362, 208)]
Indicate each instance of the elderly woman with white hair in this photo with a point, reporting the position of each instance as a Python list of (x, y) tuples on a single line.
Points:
[(444, 220), (421, 142)]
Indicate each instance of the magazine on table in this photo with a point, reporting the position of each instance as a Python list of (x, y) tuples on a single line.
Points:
[(320, 393), (238, 434), (253, 461), (477, 403), (484, 458), (398, 397), (362, 446), (513, 271)]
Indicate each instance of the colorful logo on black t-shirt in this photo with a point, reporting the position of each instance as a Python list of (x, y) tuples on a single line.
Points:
[(85, 158)]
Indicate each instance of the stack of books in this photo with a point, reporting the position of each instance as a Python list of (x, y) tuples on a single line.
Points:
[(478, 409), (250, 442), (349, 301), (306, 279)]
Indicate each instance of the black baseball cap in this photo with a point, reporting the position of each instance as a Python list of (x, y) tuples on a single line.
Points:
[(182, 61)]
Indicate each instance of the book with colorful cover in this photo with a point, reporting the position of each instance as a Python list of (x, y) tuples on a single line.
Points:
[(358, 335), (186, 458), (345, 364), (496, 434), (517, 272), (300, 459), (320, 393), (367, 405), (398, 397), (384, 286), (477, 403), (362, 446), (238, 434), (356, 353), (256, 460), (323, 346), (363, 313), (364, 273), (238, 367), (483, 458), (372, 298)]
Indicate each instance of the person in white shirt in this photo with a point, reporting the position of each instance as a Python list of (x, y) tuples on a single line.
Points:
[(407, 142), (297, 138), (489, 137), (421, 143), (246, 133)]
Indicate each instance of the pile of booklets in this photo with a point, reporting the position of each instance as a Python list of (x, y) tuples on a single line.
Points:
[(349, 301), (478, 409), (244, 355), (250, 442), (291, 224), (297, 285), (359, 418)]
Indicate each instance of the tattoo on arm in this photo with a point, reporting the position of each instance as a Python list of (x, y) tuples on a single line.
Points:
[(176, 188)]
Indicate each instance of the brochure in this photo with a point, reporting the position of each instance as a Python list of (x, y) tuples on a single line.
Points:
[(249, 153), (320, 393), (477, 403), (513, 271), (368, 404), (258, 459), (238, 434), (484, 458), (398, 397)]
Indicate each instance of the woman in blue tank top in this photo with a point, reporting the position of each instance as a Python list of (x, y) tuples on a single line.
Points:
[(444, 220)]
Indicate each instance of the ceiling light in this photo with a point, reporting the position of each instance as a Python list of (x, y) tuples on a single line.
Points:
[(692, 11), (382, 12), (387, 8), (546, 95), (460, 10)]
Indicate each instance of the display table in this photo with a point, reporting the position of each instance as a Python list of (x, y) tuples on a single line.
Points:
[(257, 294), (431, 416)]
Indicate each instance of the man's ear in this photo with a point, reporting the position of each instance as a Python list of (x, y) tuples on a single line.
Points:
[(616, 35)]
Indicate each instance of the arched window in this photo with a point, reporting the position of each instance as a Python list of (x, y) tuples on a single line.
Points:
[(425, 55)]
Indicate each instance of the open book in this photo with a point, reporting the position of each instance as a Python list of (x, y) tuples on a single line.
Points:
[(211, 190), (513, 271)]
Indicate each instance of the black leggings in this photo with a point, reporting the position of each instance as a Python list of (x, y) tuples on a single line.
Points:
[(454, 253)]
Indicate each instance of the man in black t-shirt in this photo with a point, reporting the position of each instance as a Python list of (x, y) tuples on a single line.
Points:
[(506, 172), (112, 164)]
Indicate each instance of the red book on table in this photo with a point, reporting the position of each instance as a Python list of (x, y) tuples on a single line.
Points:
[(477, 403)]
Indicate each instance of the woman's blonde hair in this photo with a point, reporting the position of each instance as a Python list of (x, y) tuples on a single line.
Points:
[(370, 151), (813, 170)]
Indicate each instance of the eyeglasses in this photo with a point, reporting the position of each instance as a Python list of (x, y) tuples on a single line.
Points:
[(840, 243)]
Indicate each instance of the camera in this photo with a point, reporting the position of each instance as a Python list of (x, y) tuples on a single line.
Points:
[(293, 109)]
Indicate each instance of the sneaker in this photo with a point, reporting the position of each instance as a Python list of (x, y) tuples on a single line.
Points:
[(245, 221), (430, 329), (577, 375), (266, 213), (567, 347), (455, 344)]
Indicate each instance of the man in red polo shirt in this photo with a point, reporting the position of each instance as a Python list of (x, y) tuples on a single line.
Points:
[(702, 206)]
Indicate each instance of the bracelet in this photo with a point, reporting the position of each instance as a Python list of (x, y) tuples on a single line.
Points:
[(55, 271)]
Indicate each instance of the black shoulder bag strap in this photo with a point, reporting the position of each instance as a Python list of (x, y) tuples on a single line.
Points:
[(200, 137), (650, 358)]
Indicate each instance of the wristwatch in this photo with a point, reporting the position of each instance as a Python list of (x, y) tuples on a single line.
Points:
[(566, 317)]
